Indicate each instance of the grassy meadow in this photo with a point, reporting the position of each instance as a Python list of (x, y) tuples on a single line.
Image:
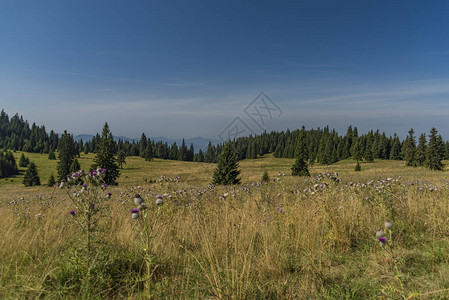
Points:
[(292, 238)]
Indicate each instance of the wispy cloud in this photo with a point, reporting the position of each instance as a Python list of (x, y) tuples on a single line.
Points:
[(87, 75), (395, 94)]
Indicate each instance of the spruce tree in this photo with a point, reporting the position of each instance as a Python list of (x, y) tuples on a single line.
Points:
[(75, 166), (356, 152), (105, 157), (200, 156), (368, 155), (121, 158), (265, 177), (421, 150), (23, 162), (395, 153), (66, 154), (51, 154), (409, 149), (227, 171), (435, 152), (51, 180), (142, 145), (31, 176), (300, 167)]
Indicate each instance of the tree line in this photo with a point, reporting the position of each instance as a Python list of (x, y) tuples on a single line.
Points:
[(321, 145)]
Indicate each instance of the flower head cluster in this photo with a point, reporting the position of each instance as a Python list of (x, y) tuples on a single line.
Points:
[(380, 234), (84, 189), (138, 200)]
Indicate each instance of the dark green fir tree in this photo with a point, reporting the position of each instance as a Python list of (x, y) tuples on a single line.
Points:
[(409, 149), (31, 176), (265, 177), (421, 150), (227, 170), (300, 167), (23, 161), (51, 154), (435, 151), (121, 158), (51, 180), (66, 153), (105, 157), (356, 152), (75, 166)]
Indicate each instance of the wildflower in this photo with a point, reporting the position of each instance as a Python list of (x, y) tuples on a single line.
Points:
[(138, 199), (134, 213), (103, 171), (109, 195), (388, 224), (84, 185), (72, 213), (382, 241), (159, 200)]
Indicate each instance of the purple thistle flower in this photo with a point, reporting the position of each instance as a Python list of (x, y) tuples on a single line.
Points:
[(109, 194), (104, 184), (103, 171), (135, 213), (158, 197), (72, 212), (85, 185), (382, 239), (58, 184)]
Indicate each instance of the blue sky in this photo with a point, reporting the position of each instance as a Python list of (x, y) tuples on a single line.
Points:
[(188, 68)]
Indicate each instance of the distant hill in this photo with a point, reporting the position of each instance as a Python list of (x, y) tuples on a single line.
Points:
[(198, 142)]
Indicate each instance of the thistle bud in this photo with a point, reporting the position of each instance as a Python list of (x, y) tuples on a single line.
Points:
[(380, 233), (134, 213), (388, 224), (138, 199)]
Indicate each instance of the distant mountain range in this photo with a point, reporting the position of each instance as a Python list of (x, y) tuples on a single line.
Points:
[(198, 142)]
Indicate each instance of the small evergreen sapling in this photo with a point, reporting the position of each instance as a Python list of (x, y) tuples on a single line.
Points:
[(265, 177), (23, 161), (51, 180)]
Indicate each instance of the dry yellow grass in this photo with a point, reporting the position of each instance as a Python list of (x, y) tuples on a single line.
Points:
[(266, 241)]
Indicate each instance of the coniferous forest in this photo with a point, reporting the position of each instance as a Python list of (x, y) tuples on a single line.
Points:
[(321, 145)]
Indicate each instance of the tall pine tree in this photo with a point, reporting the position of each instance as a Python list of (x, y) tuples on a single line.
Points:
[(66, 153), (105, 157), (435, 151)]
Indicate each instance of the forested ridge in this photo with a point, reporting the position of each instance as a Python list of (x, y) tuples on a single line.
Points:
[(321, 145)]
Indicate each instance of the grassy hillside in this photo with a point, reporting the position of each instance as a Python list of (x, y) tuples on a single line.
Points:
[(290, 238)]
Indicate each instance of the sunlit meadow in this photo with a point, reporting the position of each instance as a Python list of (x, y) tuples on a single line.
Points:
[(324, 237)]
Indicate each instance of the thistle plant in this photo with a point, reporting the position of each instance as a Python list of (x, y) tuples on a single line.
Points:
[(386, 239), (87, 193), (148, 228)]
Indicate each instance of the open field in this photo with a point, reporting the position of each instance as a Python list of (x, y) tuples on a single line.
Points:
[(290, 238)]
